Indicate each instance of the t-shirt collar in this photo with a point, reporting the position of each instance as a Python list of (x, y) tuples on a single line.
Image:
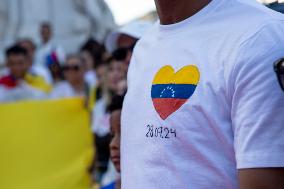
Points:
[(203, 13)]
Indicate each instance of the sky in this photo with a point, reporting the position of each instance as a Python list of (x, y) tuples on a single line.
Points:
[(127, 10)]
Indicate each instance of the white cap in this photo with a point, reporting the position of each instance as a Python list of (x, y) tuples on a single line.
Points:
[(134, 29)]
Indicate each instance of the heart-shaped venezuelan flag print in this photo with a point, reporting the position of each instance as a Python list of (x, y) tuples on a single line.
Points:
[(171, 90)]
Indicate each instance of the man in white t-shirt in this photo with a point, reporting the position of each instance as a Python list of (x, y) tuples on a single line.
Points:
[(204, 108), (18, 84), (48, 50)]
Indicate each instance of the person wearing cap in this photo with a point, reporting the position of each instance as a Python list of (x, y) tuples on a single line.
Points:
[(120, 43), (204, 108)]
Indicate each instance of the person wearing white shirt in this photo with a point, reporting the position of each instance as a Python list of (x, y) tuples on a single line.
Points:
[(18, 84), (48, 50), (92, 52), (74, 84), (204, 108), (34, 68)]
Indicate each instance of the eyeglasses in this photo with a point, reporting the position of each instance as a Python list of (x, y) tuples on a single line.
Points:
[(279, 69), (71, 68)]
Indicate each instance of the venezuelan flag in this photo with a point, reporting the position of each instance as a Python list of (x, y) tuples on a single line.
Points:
[(171, 90)]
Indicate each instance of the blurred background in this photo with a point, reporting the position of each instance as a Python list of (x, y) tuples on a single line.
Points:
[(52, 54), (73, 21)]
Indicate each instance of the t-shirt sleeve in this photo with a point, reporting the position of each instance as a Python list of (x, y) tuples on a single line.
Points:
[(257, 100)]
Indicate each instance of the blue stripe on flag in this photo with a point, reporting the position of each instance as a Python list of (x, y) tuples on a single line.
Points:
[(180, 91)]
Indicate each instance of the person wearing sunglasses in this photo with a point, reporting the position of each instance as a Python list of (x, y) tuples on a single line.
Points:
[(74, 84)]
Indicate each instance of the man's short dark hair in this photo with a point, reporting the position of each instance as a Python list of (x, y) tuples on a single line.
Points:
[(46, 25), (96, 50), (16, 50)]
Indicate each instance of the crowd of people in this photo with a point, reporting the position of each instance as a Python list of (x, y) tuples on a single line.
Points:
[(97, 73)]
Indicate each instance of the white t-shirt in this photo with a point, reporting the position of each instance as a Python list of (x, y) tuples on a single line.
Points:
[(45, 50), (64, 89), (90, 78), (100, 119), (35, 70), (22, 91), (42, 71), (203, 100)]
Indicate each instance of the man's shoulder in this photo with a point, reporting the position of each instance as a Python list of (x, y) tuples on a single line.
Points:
[(240, 22), (256, 10), (250, 16)]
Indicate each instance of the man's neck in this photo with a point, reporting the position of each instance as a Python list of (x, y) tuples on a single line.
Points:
[(173, 11)]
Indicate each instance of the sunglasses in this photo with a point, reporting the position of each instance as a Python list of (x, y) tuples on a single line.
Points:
[(121, 53), (279, 70), (71, 68)]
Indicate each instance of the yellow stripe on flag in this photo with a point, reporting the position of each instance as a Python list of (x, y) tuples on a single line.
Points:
[(45, 145)]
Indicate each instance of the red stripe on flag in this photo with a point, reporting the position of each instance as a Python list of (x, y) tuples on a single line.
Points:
[(166, 106)]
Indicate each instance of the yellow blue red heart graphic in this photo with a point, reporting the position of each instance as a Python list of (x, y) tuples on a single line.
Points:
[(171, 90)]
